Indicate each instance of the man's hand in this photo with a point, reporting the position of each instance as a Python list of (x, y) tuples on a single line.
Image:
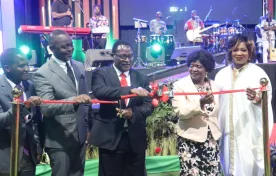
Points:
[(140, 92), (68, 13), (126, 113), (83, 98), (33, 101), (251, 94)]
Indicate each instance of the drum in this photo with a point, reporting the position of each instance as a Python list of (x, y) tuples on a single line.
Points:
[(168, 41), (142, 39), (232, 30), (223, 31), (155, 39)]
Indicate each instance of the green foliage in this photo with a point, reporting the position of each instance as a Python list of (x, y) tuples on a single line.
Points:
[(161, 130)]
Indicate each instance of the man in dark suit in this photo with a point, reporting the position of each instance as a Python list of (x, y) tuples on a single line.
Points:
[(15, 66), (62, 78), (121, 141)]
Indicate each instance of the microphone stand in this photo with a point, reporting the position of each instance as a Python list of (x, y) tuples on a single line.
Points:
[(91, 34), (207, 16)]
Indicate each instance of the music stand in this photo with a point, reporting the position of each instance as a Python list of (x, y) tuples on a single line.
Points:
[(139, 24)]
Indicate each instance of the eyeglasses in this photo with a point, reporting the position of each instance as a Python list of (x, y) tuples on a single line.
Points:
[(125, 56)]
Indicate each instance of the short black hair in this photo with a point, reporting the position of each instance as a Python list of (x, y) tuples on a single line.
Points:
[(204, 57), (53, 35), (97, 5), (119, 42), (8, 56), (237, 39)]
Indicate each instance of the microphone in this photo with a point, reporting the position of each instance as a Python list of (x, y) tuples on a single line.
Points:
[(168, 17), (234, 10)]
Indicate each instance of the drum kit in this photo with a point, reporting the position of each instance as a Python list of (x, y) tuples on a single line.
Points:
[(217, 39), (167, 41)]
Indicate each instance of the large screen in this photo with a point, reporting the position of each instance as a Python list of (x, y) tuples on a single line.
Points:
[(247, 11)]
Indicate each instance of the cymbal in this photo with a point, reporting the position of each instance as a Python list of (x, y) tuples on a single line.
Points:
[(237, 20)]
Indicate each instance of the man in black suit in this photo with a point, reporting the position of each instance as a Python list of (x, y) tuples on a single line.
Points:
[(121, 141), (15, 66), (62, 78)]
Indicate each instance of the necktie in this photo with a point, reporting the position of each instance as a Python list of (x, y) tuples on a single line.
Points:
[(70, 73), (123, 83)]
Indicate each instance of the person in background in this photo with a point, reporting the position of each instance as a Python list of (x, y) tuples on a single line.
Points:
[(269, 26), (98, 20), (16, 69), (61, 13), (193, 23), (198, 127), (240, 114), (157, 26), (259, 42)]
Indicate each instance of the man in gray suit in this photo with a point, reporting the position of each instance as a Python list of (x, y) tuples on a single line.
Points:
[(62, 78), (15, 66)]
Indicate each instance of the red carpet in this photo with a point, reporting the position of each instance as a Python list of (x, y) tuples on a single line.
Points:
[(273, 135)]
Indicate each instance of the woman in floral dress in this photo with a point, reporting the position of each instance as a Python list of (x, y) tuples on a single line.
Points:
[(197, 129)]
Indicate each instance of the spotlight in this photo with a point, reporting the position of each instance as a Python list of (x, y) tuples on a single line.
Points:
[(156, 50), (26, 50)]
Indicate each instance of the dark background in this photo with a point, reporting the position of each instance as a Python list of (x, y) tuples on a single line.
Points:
[(222, 10)]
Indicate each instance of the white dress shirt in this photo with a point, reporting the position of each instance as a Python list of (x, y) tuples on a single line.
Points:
[(13, 86), (128, 83), (62, 64)]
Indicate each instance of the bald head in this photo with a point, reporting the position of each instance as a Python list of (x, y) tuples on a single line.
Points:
[(55, 35), (158, 15), (61, 45)]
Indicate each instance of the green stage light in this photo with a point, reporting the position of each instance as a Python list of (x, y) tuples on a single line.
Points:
[(157, 47), (156, 50), (25, 49)]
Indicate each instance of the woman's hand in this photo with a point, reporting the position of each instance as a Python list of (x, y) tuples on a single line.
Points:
[(251, 94), (207, 99)]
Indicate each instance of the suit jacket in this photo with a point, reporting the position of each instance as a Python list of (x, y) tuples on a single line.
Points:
[(65, 124), (193, 121), (32, 128), (107, 127)]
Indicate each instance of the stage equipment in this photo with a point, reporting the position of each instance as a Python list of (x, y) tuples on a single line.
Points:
[(181, 53), (49, 29), (155, 53), (98, 58), (138, 24)]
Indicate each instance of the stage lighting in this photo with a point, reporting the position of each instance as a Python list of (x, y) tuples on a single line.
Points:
[(157, 47), (26, 50), (174, 9), (156, 50)]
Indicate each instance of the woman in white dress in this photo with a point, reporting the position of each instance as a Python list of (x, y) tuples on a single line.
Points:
[(240, 114)]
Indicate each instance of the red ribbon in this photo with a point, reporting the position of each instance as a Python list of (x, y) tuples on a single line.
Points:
[(94, 101), (200, 93)]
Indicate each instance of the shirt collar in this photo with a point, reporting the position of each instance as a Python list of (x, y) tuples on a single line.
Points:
[(60, 62), (12, 83), (119, 72)]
